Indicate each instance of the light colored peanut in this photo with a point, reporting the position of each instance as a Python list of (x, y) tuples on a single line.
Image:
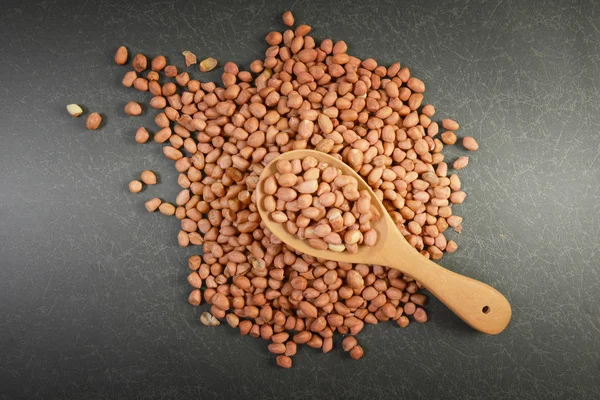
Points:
[(75, 110), (208, 64)]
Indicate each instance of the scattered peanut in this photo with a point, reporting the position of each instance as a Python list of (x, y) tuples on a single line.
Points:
[(148, 177), (153, 204), (449, 138), (75, 110), (450, 124), (460, 162), (195, 297), (451, 246), (167, 209), (233, 320), (284, 362), (349, 343), (190, 58), (357, 352), (135, 186), (158, 63), (121, 55), (140, 62), (208, 319), (403, 321), (133, 109), (288, 18), (274, 38), (141, 135), (208, 64), (470, 143), (420, 315), (129, 78), (170, 71), (93, 121)]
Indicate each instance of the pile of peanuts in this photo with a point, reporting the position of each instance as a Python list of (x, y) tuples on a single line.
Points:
[(302, 95), (322, 205)]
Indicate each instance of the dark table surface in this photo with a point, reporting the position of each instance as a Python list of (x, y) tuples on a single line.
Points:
[(93, 288)]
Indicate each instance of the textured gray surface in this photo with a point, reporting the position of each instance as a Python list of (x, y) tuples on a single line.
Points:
[(92, 287)]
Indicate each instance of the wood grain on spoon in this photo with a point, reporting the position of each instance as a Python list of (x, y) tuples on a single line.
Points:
[(478, 304)]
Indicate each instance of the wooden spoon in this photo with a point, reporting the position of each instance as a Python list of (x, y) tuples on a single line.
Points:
[(479, 305)]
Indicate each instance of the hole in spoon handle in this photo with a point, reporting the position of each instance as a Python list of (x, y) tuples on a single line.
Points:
[(478, 304)]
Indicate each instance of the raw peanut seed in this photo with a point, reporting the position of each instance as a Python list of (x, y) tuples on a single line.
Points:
[(153, 204), (142, 135), (288, 18), (135, 186), (167, 209), (470, 143), (460, 162), (449, 137), (121, 55), (170, 71), (357, 352), (158, 63), (190, 58), (93, 121), (284, 362), (74, 110), (133, 109), (129, 78), (208, 319), (208, 64), (349, 343), (450, 124), (195, 297), (140, 62), (148, 177)]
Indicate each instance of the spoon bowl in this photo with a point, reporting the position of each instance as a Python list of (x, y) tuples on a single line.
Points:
[(476, 303)]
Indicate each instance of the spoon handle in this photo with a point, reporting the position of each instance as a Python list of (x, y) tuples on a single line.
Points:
[(479, 305)]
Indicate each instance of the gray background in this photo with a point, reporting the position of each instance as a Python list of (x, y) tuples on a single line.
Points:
[(93, 289)]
